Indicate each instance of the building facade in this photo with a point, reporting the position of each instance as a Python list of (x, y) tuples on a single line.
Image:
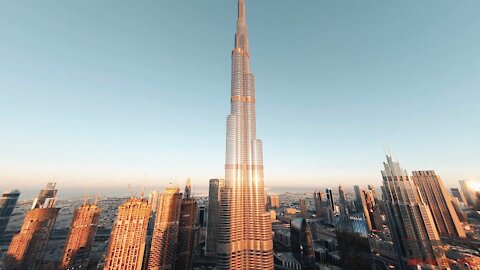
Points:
[(302, 243), (76, 253), (28, 246), (188, 232), (413, 231), (165, 231), (318, 198), (353, 242), (245, 230), (8, 201), (212, 220), (440, 202), (127, 242)]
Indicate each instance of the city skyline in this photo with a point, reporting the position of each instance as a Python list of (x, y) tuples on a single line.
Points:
[(76, 112), (111, 104)]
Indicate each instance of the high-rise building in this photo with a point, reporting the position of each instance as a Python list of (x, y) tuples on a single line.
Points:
[(469, 192), (202, 215), (245, 229), (411, 223), (456, 193), (330, 205), (212, 221), (8, 201), (302, 243), (358, 199), (273, 202), (127, 243), (47, 197), (374, 192), (27, 247), (318, 198), (188, 231), (353, 242), (368, 203), (439, 200), (165, 231), (459, 210), (303, 207), (342, 201), (76, 253)]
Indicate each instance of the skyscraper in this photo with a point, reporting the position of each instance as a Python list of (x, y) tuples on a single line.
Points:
[(165, 232), (188, 231), (302, 243), (368, 203), (127, 245), (273, 202), (358, 199), (439, 200), (27, 247), (76, 253), (456, 193), (330, 205), (318, 198), (47, 197), (7, 205), (245, 230), (212, 221), (303, 207), (411, 223), (343, 202), (353, 242)]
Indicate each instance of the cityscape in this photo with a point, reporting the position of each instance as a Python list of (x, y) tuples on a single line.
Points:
[(414, 220)]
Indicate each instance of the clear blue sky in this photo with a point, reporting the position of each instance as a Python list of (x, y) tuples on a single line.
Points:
[(104, 93)]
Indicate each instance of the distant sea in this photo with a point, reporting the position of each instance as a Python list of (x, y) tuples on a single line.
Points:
[(68, 193)]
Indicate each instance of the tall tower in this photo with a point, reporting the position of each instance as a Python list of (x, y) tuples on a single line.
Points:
[(245, 230), (353, 242), (165, 231), (302, 243), (126, 249), (368, 205), (212, 222), (7, 205), (343, 201), (27, 247), (440, 202), (317, 198), (411, 223), (76, 253), (358, 199), (303, 207), (330, 205), (188, 231)]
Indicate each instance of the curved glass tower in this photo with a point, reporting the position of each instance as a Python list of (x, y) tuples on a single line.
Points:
[(245, 234)]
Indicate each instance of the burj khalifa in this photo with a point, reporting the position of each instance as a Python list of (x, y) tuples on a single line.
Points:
[(245, 233)]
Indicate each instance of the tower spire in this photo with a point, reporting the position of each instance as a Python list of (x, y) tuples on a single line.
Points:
[(241, 37), (241, 12)]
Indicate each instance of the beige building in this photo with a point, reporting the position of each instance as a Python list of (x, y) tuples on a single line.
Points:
[(81, 236), (27, 247), (439, 200), (126, 249), (165, 232)]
